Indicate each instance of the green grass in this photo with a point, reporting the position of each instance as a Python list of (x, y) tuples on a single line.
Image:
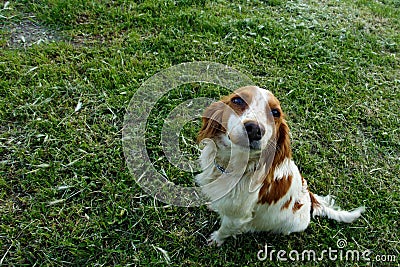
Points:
[(66, 195)]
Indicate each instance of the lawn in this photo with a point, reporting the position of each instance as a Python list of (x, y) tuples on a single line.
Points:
[(69, 69)]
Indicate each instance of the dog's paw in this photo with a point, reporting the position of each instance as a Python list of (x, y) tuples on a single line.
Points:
[(215, 240)]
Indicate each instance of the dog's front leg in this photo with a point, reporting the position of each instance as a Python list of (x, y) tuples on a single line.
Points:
[(230, 226)]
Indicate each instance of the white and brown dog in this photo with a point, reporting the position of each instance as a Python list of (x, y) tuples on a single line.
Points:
[(248, 173)]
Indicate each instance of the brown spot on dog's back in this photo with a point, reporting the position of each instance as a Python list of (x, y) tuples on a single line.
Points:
[(272, 192), (297, 205)]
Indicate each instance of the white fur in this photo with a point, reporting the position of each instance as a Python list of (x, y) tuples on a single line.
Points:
[(331, 211), (234, 194)]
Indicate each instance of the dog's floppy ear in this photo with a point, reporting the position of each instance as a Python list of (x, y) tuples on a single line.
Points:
[(212, 121), (280, 149), (282, 146)]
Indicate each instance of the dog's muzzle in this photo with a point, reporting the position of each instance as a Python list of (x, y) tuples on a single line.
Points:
[(254, 132)]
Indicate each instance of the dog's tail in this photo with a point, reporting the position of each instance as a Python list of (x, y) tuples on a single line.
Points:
[(325, 206)]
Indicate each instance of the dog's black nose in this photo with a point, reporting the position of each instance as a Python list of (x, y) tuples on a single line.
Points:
[(254, 131)]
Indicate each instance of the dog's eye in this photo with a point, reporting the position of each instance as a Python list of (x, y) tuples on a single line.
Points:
[(238, 101), (276, 113)]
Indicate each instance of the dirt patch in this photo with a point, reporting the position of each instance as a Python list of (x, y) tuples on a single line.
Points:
[(27, 33)]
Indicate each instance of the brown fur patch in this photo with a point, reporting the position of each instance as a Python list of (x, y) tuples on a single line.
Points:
[(245, 93), (287, 203), (281, 142), (283, 149), (212, 121), (314, 202), (297, 206), (303, 181), (272, 192), (281, 132), (215, 116)]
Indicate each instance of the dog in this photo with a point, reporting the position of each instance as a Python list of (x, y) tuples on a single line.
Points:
[(248, 173)]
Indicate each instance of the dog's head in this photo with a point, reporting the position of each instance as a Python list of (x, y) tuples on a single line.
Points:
[(251, 118)]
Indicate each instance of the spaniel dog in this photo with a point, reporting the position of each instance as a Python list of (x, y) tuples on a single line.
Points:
[(248, 173)]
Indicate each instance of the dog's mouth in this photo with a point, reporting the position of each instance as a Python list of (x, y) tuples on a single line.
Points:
[(254, 145)]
